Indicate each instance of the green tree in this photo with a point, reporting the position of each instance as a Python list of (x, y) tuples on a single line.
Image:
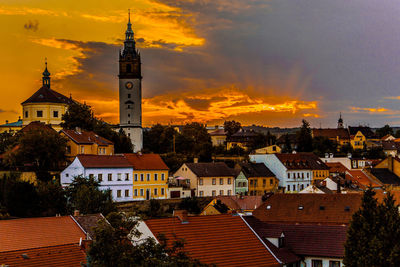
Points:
[(84, 195), (7, 141), (195, 141), (304, 138), (231, 127), (191, 204), (322, 145), (385, 130), (287, 148), (52, 198), (43, 150), (112, 246), (373, 234)]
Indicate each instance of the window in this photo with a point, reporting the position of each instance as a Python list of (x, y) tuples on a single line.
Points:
[(129, 95), (162, 176), (162, 191), (288, 188), (100, 177), (136, 178), (221, 180), (126, 176), (148, 177), (271, 181), (264, 182), (214, 181), (118, 193), (251, 182), (39, 113), (118, 177), (316, 263), (128, 68), (302, 186), (308, 175), (229, 181), (244, 184), (91, 176), (142, 177), (155, 191), (294, 187), (82, 150), (334, 263), (298, 175), (200, 181), (155, 177), (201, 193), (229, 192), (26, 114), (141, 192), (221, 192), (288, 175), (214, 193), (274, 148), (110, 176), (302, 175), (239, 184), (66, 175), (127, 193), (255, 182), (55, 114), (135, 192)]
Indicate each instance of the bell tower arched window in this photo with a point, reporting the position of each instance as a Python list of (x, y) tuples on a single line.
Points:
[(128, 68)]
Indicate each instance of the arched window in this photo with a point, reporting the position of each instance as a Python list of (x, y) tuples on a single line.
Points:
[(128, 68)]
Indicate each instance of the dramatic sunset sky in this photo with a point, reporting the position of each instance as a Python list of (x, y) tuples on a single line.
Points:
[(265, 62)]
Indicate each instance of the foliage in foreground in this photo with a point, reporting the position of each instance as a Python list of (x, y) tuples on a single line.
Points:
[(112, 246)]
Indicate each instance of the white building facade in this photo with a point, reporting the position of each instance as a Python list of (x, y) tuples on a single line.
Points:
[(291, 179), (117, 179)]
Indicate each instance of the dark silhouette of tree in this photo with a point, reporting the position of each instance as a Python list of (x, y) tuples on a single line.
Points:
[(304, 138), (231, 127), (191, 204), (385, 130)]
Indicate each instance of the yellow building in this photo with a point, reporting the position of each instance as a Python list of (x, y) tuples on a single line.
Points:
[(260, 178), (86, 142), (358, 141), (45, 105), (320, 174), (218, 137), (269, 150), (150, 176)]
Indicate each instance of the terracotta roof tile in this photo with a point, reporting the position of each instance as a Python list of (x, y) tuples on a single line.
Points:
[(146, 161), (309, 208), (37, 125), (224, 240), (336, 167), (305, 240), (211, 169), (86, 137), (361, 179), (31, 233), (62, 255), (332, 133), (241, 203), (104, 161)]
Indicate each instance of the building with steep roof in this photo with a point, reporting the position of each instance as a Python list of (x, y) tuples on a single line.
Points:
[(223, 240), (45, 105), (208, 178), (236, 204), (260, 178), (86, 142)]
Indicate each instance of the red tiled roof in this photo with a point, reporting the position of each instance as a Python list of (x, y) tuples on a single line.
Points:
[(21, 234), (37, 125), (336, 167), (86, 137), (301, 161), (104, 161), (62, 255), (224, 240), (309, 208), (241, 203), (361, 179), (304, 240), (146, 161), (331, 133)]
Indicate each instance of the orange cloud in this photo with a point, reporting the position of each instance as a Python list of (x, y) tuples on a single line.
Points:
[(370, 110)]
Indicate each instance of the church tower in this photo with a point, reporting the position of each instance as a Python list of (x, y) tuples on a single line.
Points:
[(340, 122), (130, 90)]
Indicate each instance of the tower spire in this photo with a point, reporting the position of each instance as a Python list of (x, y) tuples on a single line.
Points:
[(129, 31), (46, 75)]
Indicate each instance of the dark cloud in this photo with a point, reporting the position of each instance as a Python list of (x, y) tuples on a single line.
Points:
[(32, 25)]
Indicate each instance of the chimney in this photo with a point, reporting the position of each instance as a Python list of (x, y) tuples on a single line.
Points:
[(390, 163), (78, 130), (195, 160), (76, 213), (182, 215)]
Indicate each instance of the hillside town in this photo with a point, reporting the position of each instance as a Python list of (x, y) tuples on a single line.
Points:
[(76, 190)]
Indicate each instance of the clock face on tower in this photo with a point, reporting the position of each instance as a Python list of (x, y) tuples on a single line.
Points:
[(128, 85)]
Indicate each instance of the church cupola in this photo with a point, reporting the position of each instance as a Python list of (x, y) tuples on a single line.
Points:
[(46, 76), (340, 122)]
